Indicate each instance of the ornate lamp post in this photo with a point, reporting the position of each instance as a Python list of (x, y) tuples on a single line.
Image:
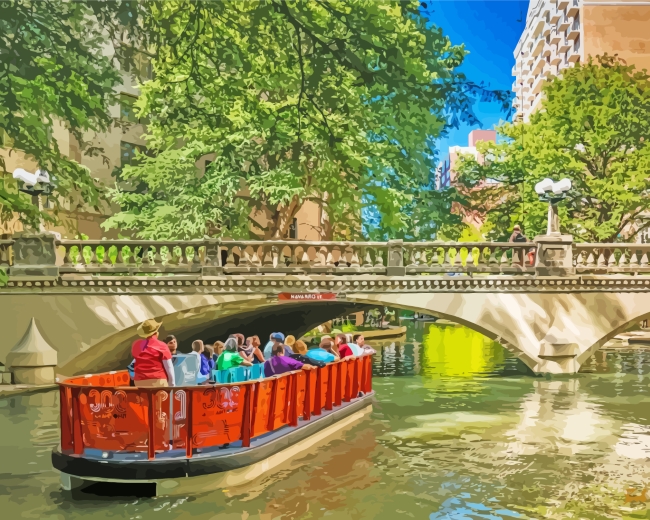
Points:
[(554, 250), (35, 184), (553, 192)]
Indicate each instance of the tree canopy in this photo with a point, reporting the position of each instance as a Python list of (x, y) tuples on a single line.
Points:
[(334, 101), (593, 128), (53, 69)]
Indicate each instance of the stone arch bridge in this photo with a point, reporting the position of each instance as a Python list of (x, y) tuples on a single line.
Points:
[(88, 297)]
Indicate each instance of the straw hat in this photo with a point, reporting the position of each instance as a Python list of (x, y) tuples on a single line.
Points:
[(289, 340), (148, 328)]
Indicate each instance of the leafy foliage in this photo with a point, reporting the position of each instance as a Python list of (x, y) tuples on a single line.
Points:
[(332, 101), (593, 128), (53, 72)]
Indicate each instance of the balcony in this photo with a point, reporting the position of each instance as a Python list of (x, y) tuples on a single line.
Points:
[(574, 30), (547, 50), (555, 16), (563, 24), (537, 86), (555, 36), (539, 65), (564, 45), (562, 4), (538, 45), (573, 7), (556, 58)]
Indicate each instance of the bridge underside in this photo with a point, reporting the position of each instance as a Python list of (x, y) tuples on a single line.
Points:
[(552, 330)]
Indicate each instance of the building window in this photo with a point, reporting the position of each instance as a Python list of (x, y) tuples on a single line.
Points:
[(141, 66), (128, 110), (293, 230), (128, 152)]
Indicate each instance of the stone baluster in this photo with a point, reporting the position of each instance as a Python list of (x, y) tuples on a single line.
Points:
[(305, 257), (591, 259), (68, 261), (255, 259), (446, 262), (634, 259), (367, 262), (644, 259), (505, 261), (268, 256), (423, 258), (622, 260), (435, 258), (379, 258), (354, 260), (611, 260), (469, 261), (93, 261), (119, 258), (493, 262), (157, 257), (106, 257), (330, 258), (602, 262), (230, 257), (293, 257)]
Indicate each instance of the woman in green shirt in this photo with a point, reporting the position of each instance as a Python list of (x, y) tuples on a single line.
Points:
[(230, 358)]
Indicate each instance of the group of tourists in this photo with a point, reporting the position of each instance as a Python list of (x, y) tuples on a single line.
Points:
[(153, 367)]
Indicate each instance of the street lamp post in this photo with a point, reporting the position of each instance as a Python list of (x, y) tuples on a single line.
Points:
[(35, 184), (553, 193), (554, 250)]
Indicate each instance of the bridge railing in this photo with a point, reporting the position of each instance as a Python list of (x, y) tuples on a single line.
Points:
[(5, 252), (291, 257), (102, 416), (611, 258)]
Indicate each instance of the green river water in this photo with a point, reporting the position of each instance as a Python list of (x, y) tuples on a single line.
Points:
[(456, 433)]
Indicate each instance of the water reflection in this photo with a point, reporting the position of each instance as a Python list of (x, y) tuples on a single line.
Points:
[(456, 432)]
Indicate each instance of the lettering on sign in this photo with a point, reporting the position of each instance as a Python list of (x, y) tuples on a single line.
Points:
[(306, 297)]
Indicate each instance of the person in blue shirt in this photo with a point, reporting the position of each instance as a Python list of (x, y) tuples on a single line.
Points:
[(324, 352)]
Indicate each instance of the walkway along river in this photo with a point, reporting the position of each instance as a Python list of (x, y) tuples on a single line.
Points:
[(456, 432)]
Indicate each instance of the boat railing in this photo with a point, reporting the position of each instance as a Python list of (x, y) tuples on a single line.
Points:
[(102, 416)]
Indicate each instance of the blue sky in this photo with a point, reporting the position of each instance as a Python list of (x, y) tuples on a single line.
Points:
[(490, 30)]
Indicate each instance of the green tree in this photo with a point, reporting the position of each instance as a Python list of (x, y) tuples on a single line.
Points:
[(593, 127), (333, 101), (53, 70)]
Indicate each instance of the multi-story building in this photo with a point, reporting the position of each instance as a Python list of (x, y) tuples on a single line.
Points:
[(560, 33), (445, 172)]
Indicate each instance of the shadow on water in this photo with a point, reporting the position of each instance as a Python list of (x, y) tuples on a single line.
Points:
[(110, 491)]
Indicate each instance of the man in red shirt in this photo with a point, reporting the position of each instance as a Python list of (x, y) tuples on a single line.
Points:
[(153, 360)]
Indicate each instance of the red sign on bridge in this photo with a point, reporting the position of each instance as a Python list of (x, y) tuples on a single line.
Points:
[(306, 297)]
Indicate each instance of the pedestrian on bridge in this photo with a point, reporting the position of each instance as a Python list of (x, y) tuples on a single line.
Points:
[(153, 360)]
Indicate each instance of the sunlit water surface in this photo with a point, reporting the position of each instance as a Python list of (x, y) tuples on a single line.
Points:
[(456, 433)]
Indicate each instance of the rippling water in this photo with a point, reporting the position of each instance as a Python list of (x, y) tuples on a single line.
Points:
[(456, 433)]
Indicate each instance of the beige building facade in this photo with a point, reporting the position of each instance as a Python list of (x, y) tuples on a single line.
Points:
[(560, 33), (117, 147)]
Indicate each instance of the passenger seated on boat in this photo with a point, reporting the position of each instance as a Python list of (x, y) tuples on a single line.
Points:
[(172, 344), (229, 358), (360, 343), (197, 350), (290, 341), (253, 344), (277, 338), (324, 352), (340, 345), (268, 348), (300, 354), (218, 349), (208, 353), (153, 360), (281, 364)]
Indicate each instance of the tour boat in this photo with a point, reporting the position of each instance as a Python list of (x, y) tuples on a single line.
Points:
[(114, 432)]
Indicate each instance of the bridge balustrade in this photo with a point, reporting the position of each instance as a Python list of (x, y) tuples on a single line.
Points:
[(290, 257), (101, 412), (611, 258)]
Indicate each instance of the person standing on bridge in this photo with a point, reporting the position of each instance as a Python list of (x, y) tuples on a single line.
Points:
[(518, 236), (153, 360)]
